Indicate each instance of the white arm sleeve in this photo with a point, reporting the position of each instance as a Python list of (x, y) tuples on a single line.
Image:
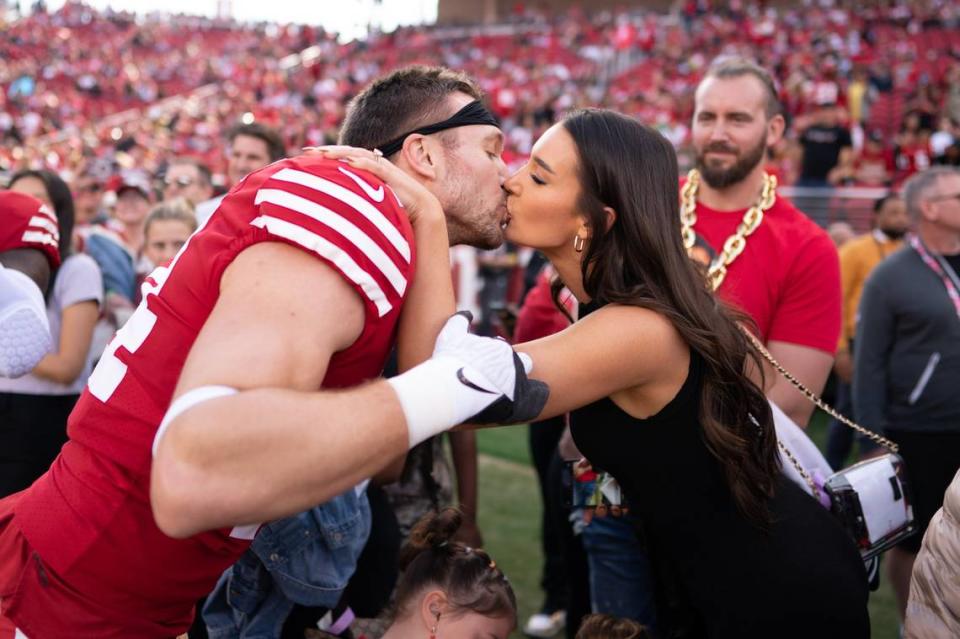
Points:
[(24, 331)]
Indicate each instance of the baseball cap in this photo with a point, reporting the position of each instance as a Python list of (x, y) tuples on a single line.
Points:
[(26, 222)]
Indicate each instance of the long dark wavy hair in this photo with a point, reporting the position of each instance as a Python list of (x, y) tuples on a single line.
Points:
[(640, 261)]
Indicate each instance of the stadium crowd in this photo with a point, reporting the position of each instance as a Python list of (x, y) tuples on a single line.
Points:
[(898, 98), (132, 128)]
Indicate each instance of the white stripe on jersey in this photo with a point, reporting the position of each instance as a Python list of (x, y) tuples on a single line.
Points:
[(351, 199), (342, 226), (45, 224), (329, 251), (45, 210), (39, 237)]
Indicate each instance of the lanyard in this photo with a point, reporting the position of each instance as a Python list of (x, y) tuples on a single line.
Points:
[(941, 268)]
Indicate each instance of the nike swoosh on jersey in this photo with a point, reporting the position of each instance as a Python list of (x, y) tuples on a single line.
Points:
[(374, 194), (466, 382)]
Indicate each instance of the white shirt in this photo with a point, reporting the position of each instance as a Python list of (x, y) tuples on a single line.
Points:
[(78, 280)]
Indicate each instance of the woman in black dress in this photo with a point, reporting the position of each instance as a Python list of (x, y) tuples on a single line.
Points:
[(656, 376)]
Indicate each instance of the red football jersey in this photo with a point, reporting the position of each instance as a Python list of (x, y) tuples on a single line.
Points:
[(89, 516), (26, 222)]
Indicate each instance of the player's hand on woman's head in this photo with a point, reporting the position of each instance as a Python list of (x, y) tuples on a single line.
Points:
[(420, 204)]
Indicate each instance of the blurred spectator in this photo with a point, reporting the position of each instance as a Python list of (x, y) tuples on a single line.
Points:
[(88, 195), (875, 162), (34, 408), (188, 178), (826, 143), (495, 267), (858, 258), (841, 233), (249, 147), (166, 229), (943, 139), (133, 203), (907, 354)]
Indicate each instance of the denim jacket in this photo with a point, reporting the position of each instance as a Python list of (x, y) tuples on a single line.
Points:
[(306, 559)]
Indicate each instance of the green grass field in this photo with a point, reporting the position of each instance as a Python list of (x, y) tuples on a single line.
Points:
[(510, 515)]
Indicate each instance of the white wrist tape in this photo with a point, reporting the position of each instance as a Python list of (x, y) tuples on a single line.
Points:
[(189, 400), (435, 397), (24, 331)]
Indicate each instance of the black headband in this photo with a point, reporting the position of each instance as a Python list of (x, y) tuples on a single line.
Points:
[(473, 113)]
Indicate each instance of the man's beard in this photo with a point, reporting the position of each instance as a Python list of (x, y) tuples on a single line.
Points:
[(721, 178), (894, 233)]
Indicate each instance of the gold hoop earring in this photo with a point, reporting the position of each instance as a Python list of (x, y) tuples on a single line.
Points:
[(578, 244)]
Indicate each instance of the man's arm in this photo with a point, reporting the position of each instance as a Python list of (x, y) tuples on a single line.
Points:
[(804, 331), (875, 334), (274, 448), (809, 365)]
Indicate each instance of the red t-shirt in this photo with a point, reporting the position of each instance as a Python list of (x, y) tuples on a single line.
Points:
[(539, 316), (89, 517), (787, 278)]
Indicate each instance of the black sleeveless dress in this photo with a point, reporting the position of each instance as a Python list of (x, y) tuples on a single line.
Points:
[(718, 575)]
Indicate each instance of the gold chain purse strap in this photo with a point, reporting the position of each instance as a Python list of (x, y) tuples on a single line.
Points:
[(735, 244), (819, 403)]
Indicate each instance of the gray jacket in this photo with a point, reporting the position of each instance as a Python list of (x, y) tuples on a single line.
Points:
[(907, 349)]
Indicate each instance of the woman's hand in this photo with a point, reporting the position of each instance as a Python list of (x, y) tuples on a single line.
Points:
[(419, 203)]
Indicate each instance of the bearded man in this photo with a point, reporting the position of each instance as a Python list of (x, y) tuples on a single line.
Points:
[(771, 261)]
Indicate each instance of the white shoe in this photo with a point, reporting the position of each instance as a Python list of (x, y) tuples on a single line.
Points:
[(544, 625)]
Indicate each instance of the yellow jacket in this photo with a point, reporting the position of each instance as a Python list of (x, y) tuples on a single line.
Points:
[(858, 257)]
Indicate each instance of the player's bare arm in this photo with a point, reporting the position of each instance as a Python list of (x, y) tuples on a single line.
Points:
[(277, 447)]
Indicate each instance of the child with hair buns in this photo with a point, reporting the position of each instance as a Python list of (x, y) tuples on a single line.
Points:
[(449, 590), (606, 627)]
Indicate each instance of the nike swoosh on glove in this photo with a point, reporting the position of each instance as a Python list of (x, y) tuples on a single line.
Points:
[(529, 398)]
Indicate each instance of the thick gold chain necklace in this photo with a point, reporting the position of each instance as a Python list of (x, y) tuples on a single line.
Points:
[(735, 244)]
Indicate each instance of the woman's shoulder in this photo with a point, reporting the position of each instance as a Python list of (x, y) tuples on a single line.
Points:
[(79, 278), (629, 315), (634, 327)]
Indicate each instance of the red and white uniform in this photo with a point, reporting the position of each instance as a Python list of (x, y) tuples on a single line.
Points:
[(26, 222), (100, 567)]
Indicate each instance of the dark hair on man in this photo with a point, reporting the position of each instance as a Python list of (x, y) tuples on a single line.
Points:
[(470, 579), (269, 136), (206, 175), (882, 201), (402, 101), (737, 67), (600, 626), (640, 261)]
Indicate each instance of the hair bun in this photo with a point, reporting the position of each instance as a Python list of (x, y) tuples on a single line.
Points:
[(433, 532)]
